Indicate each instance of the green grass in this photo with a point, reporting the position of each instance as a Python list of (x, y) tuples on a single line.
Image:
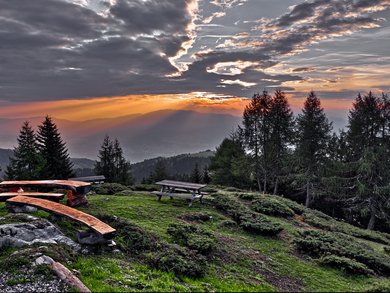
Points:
[(242, 261)]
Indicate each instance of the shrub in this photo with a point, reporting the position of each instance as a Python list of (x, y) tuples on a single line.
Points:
[(321, 243), (387, 249), (246, 196), (379, 288), (325, 222), (271, 206), (259, 224), (145, 187), (125, 192), (247, 219), (193, 237), (181, 261), (297, 208), (109, 188), (346, 264), (196, 217)]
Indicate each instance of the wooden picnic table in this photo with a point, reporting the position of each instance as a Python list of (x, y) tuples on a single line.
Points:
[(187, 190)]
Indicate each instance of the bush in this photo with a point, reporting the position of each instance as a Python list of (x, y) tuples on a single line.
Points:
[(297, 208), (125, 192), (145, 187), (246, 196), (178, 260), (346, 264), (259, 224), (320, 243), (109, 188), (131, 238), (247, 219), (325, 222), (196, 217), (271, 206), (387, 249), (379, 288), (193, 237)]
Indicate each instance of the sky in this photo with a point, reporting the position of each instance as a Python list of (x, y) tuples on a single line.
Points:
[(88, 59)]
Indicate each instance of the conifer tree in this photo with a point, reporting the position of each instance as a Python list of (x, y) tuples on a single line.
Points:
[(256, 134), (53, 150), (281, 137), (160, 172), (26, 163), (206, 179), (313, 135), (112, 164), (368, 138), (195, 174)]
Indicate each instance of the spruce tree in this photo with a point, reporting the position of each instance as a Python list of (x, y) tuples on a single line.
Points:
[(105, 164), (122, 168), (368, 139), (26, 163), (230, 165), (313, 135), (160, 172), (281, 137), (195, 174), (256, 135), (53, 150), (206, 179)]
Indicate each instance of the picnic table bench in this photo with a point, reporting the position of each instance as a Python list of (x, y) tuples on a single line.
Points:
[(50, 196), (104, 230), (189, 191)]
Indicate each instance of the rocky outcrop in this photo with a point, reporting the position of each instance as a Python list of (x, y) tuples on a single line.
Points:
[(37, 231)]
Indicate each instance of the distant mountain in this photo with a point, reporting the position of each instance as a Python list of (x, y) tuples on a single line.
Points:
[(181, 164), (142, 136)]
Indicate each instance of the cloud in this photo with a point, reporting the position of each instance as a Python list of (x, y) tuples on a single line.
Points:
[(56, 49)]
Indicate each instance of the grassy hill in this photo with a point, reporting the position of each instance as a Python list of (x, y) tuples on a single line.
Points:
[(235, 241)]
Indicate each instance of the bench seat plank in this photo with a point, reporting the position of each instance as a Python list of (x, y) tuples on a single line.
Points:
[(179, 184), (181, 195), (53, 196), (95, 224)]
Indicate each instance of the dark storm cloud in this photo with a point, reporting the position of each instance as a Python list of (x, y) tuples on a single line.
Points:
[(52, 49)]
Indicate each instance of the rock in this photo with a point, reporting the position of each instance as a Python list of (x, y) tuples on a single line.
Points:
[(20, 209), (43, 260), (26, 234), (90, 238)]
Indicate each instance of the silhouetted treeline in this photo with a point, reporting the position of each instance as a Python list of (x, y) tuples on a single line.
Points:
[(345, 174)]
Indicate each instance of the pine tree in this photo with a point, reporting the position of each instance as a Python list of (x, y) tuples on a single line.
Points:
[(26, 163), (54, 151), (230, 165), (195, 174), (256, 134), (313, 135), (105, 164), (206, 179), (122, 168), (368, 138), (281, 137), (160, 172)]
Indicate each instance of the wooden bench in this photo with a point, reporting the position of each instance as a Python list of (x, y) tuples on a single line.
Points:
[(106, 231), (50, 196), (98, 179), (192, 191)]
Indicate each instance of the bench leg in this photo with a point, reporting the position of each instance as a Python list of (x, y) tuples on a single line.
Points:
[(159, 197)]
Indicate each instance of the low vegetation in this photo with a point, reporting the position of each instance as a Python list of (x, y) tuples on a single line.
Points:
[(233, 242)]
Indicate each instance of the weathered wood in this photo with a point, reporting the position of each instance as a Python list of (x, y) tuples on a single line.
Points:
[(95, 224), (50, 196), (180, 184), (181, 195), (91, 179), (66, 275), (77, 186)]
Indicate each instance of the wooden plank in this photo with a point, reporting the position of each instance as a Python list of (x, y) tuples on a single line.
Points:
[(89, 178), (95, 224), (181, 184), (47, 183), (53, 196), (181, 195)]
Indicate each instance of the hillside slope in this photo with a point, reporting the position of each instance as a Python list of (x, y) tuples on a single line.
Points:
[(235, 241)]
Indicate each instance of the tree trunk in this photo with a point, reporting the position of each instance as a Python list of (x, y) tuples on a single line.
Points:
[(371, 223), (258, 182), (276, 185), (308, 196), (265, 184)]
